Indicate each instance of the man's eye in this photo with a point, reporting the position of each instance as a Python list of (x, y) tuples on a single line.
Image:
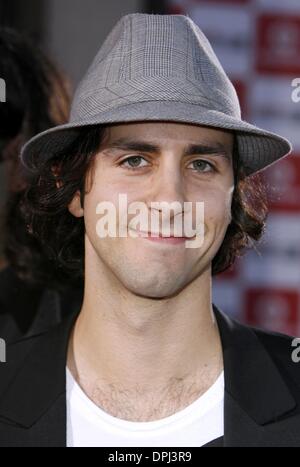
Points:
[(133, 161), (202, 166)]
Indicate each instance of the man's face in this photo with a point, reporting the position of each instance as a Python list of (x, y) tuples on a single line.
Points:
[(171, 172)]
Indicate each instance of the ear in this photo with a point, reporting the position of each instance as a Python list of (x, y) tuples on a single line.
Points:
[(75, 207)]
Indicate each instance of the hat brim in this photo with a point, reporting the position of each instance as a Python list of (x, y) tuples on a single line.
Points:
[(257, 148)]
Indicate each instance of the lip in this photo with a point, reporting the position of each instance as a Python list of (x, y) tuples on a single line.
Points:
[(160, 239)]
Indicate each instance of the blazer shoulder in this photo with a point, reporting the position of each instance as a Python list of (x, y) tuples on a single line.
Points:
[(276, 342), (284, 350), (16, 354)]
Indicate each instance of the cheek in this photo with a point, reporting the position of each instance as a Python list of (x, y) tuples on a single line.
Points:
[(217, 207), (100, 193), (108, 185), (104, 202)]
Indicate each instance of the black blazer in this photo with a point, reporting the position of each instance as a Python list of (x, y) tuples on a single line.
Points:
[(262, 388), (26, 309)]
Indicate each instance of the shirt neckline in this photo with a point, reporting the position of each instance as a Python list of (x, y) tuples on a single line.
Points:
[(199, 407)]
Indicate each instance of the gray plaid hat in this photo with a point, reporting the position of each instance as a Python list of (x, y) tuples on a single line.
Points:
[(159, 67)]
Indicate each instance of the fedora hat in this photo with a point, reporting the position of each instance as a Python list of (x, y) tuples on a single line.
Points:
[(159, 68)]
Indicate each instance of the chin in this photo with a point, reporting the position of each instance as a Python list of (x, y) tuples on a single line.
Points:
[(155, 294), (155, 287)]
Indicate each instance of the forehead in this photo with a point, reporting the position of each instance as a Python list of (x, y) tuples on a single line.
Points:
[(168, 132)]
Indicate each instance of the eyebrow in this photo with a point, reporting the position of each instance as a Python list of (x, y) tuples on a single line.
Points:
[(216, 149)]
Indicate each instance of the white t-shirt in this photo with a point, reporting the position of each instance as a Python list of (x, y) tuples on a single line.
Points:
[(195, 425)]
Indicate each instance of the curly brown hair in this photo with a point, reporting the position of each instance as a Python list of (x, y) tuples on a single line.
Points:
[(52, 185), (37, 98)]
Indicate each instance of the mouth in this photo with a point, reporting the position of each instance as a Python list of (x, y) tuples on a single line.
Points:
[(159, 238)]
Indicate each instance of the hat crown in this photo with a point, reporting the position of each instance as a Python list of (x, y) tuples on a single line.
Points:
[(149, 57)]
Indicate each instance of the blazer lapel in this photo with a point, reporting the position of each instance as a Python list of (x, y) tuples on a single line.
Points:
[(256, 396)]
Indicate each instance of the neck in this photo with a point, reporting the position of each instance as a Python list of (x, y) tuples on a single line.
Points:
[(135, 341)]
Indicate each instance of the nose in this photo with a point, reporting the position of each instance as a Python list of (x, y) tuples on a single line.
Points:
[(168, 185)]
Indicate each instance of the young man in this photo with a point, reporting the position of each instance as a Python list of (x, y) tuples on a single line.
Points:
[(149, 360)]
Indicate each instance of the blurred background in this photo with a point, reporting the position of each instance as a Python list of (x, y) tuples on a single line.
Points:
[(258, 43)]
